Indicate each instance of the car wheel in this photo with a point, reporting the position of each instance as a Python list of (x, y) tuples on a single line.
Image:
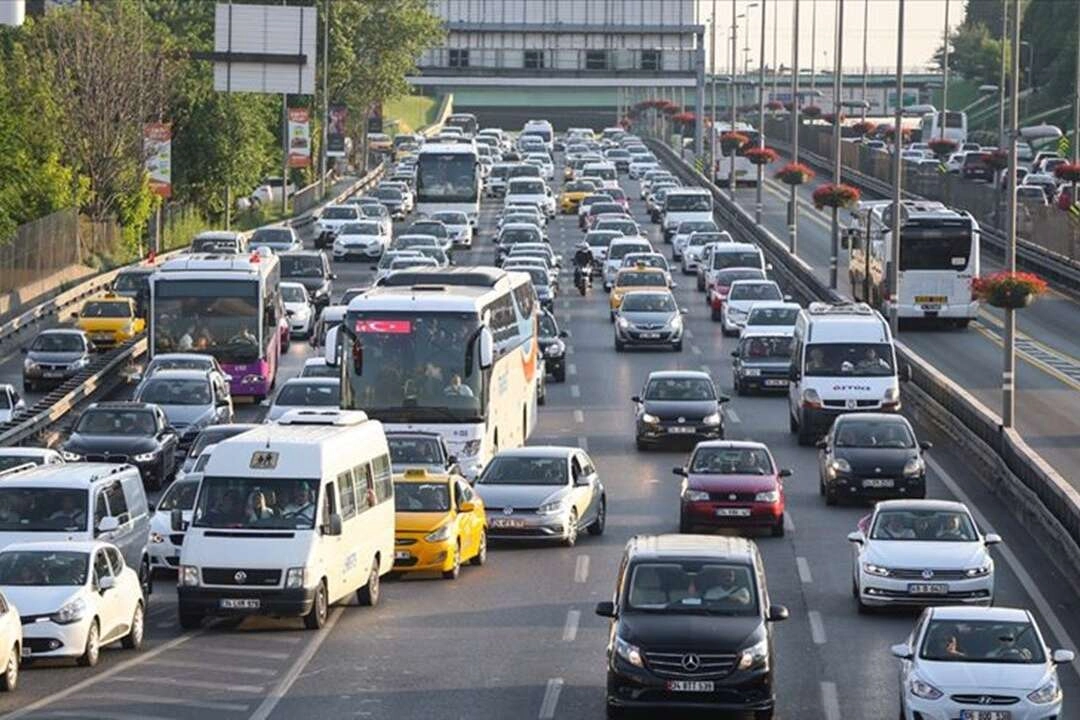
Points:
[(598, 525), (619, 345), (793, 425), (701, 284), (134, 639), (455, 569), (641, 444), (92, 651), (778, 527), (806, 437), (146, 579), (369, 594), (614, 712), (830, 496), (571, 530), (10, 679), (320, 608), (481, 554), (28, 386), (763, 714), (739, 390)]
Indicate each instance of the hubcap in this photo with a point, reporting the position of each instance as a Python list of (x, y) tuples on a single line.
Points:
[(137, 629), (374, 583)]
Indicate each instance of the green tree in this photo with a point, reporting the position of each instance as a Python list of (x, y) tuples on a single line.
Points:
[(975, 54)]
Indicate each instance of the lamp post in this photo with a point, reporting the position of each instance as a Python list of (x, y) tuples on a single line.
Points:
[(712, 129), (793, 207), (865, 36), (1076, 102), (837, 106), (758, 204), (735, 15), (813, 44), (945, 76), (1008, 386), (898, 141), (775, 67)]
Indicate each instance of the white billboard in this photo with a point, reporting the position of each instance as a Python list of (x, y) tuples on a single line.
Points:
[(264, 48)]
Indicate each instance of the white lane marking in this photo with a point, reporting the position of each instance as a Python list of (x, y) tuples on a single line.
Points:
[(732, 416), (581, 569), (101, 676), (571, 369), (579, 416), (278, 692), (573, 618), (551, 698), (583, 443), (830, 700), (286, 639), (99, 715), (188, 683), (245, 653), (165, 700), (817, 627), (789, 524), (161, 662), (695, 349), (804, 570), (575, 391), (1026, 581)]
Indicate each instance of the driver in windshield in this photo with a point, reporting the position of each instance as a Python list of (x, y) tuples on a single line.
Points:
[(951, 529), (69, 512), (896, 529), (722, 585), (456, 388), (300, 502), (816, 361), (871, 361)]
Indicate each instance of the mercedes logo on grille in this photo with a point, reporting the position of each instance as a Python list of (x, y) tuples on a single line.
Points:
[(508, 510), (927, 574), (240, 577), (691, 662)]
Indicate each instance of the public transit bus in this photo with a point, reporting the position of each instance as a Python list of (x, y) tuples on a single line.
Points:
[(939, 256), (448, 178), (956, 126), (452, 351), (466, 122), (745, 171), (227, 306)]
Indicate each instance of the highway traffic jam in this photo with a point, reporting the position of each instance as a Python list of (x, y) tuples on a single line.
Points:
[(565, 437)]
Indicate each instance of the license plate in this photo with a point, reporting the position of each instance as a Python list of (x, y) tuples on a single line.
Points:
[(775, 383), (650, 336), (52, 374), (878, 483), (985, 715), (930, 299), (102, 336), (681, 430), (732, 512), (931, 307), (507, 523), (691, 686), (928, 589), (240, 603), (401, 555)]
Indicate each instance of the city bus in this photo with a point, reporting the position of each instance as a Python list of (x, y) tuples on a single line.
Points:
[(227, 306), (745, 172), (466, 122), (956, 126), (448, 178), (452, 351), (939, 256)]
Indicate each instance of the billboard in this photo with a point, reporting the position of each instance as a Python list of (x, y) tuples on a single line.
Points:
[(336, 126), (157, 147), (299, 137), (264, 48)]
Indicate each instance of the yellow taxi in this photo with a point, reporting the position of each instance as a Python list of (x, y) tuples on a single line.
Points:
[(573, 193), (639, 277), (379, 142), (109, 319), (440, 523)]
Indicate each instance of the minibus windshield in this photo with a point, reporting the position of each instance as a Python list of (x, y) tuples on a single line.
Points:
[(257, 503)]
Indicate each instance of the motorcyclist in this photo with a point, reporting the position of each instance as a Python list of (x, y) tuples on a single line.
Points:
[(582, 267)]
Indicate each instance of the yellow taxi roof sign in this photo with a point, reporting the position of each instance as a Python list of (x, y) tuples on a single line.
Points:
[(416, 473)]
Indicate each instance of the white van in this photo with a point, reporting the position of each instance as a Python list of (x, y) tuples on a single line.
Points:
[(603, 172), (289, 519), (685, 203), (842, 361)]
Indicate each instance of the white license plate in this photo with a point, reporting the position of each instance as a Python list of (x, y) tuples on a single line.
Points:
[(681, 430), (732, 512), (878, 483), (928, 589), (52, 374), (691, 686), (401, 555), (507, 523), (650, 336), (102, 336), (775, 383), (240, 603), (931, 307), (985, 715)]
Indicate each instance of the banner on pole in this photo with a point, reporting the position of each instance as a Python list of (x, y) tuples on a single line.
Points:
[(335, 130), (157, 146), (299, 137)]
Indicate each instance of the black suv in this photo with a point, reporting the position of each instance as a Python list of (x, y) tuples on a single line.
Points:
[(690, 627), (312, 270)]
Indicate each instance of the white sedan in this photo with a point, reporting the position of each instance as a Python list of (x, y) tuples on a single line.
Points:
[(80, 595), (365, 239), (305, 393), (165, 543), (742, 295), (979, 664), (298, 309), (773, 317), (11, 644), (921, 552)]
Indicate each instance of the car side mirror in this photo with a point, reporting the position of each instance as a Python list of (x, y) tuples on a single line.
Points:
[(564, 334), (793, 373), (374, 267), (635, 398), (151, 506), (926, 445), (176, 520), (106, 583), (785, 472), (333, 527), (902, 651), (787, 298), (823, 444), (679, 470), (108, 524), (734, 353), (606, 609), (992, 539), (466, 507), (723, 399), (487, 348), (777, 613), (1062, 657), (674, 284), (855, 537), (905, 373)]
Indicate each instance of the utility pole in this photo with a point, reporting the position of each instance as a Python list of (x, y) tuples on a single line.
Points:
[(897, 218), (1008, 372), (813, 45), (712, 128), (838, 53), (734, 72), (758, 204), (945, 76), (325, 98), (1076, 108), (865, 36), (1001, 83), (775, 44), (793, 202)]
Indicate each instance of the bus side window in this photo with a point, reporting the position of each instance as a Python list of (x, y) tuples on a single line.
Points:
[(329, 503)]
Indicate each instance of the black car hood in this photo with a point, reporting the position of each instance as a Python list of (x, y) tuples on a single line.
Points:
[(118, 444), (689, 409), (690, 632), (866, 461)]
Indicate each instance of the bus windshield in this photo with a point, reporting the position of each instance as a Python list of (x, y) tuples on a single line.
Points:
[(414, 367), (446, 177), (934, 249), (220, 318)]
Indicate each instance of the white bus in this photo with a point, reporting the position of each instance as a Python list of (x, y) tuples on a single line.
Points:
[(466, 122), (745, 172), (939, 256), (956, 126), (452, 351), (448, 178)]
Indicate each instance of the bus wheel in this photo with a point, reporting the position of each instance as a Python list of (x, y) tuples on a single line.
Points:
[(369, 593)]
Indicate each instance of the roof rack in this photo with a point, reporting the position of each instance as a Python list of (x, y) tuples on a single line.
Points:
[(323, 417), (845, 308), (17, 469)]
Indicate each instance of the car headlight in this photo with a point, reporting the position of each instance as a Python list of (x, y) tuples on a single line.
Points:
[(623, 323), (69, 613), (71, 456), (1048, 693), (735, 312), (754, 656), (769, 496), (981, 571), (187, 576), (695, 495), (555, 349), (157, 538), (872, 569), (810, 398), (713, 419), (629, 653), (922, 689), (892, 397), (751, 372), (554, 507), (442, 534), (649, 419), (840, 465), (145, 457), (29, 364), (295, 578), (676, 322), (914, 466)]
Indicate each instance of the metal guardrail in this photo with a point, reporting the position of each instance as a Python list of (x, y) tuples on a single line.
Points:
[(1024, 474)]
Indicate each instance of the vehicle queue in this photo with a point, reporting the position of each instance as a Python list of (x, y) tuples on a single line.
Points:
[(691, 617)]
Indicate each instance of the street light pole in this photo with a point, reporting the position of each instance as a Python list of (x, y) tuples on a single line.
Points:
[(775, 67), (712, 129), (1008, 372), (1076, 109), (898, 141), (945, 76), (865, 36), (1001, 83), (838, 52), (793, 207), (758, 204), (813, 44), (734, 72)]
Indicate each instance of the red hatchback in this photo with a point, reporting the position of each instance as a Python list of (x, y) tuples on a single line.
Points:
[(732, 484)]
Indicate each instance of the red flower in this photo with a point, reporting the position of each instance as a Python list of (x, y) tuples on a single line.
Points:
[(730, 141), (835, 196), (774, 105), (1068, 172), (999, 159), (1008, 290), (761, 156), (831, 117), (685, 117), (795, 174), (864, 127), (942, 147)]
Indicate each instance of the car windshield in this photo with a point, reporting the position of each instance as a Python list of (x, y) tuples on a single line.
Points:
[(421, 497), (773, 316), (623, 227), (692, 389), (310, 266), (982, 641), (578, 186), (179, 496), (863, 433), (685, 228), (655, 261), (42, 509), (924, 525), (131, 281), (635, 278), (407, 263), (748, 259), (58, 342), (516, 235), (293, 293), (271, 236), (116, 422), (755, 291), (727, 277), (548, 328), (373, 211), (436, 229), (449, 217), (256, 503), (319, 370), (341, 212), (855, 360), (679, 202), (106, 309), (309, 395), (539, 276), (732, 461), (765, 348), (362, 228), (601, 239), (174, 391), (648, 302), (44, 568), (618, 252), (414, 450), (416, 241), (527, 187), (514, 470), (212, 436), (692, 587), (602, 208)]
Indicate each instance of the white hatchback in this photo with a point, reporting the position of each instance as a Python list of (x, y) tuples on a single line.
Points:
[(741, 297)]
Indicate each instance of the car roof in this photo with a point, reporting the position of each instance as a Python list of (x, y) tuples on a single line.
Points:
[(872, 416), (27, 451), (121, 405), (312, 381), (993, 614), (192, 356), (915, 504), (180, 374), (69, 475), (733, 444), (776, 304), (563, 451), (677, 374), (697, 547), (62, 331), (84, 546), (422, 475)]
